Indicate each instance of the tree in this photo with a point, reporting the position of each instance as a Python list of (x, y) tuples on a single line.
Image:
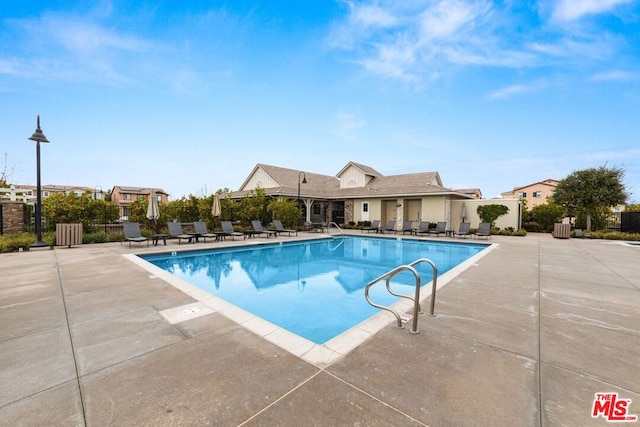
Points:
[(546, 215), (591, 190), (489, 213), (286, 211), (5, 173), (254, 206), (633, 208)]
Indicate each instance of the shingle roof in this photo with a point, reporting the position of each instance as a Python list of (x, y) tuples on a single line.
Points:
[(368, 170), (324, 186)]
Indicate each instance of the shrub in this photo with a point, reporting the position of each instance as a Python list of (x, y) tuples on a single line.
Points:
[(12, 242), (546, 215), (97, 237), (532, 227), (490, 213), (614, 235)]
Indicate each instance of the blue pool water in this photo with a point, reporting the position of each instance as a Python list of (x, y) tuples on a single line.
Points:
[(314, 289)]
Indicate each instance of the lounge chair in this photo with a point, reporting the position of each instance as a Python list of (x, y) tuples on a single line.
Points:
[(280, 229), (375, 226), (132, 233), (227, 230), (175, 232), (441, 228), (312, 227), (484, 230), (257, 230), (423, 228), (463, 230), (391, 226), (200, 229), (406, 227)]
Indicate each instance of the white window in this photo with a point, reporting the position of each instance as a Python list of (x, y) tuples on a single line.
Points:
[(365, 207), (522, 194), (537, 194), (127, 196)]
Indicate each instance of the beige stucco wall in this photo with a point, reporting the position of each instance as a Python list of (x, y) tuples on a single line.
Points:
[(433, 209), (374, 210), (511, 219)]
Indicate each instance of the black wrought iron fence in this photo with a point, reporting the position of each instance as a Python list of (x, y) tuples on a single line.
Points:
[(109, 220)]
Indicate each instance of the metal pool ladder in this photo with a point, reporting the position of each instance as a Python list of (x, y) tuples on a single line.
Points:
[(334, 224), (416, 299)]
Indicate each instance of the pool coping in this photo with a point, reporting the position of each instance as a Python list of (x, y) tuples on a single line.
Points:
[(320, 355)]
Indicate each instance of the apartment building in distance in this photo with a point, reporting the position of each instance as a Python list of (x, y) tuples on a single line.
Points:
[(534, 194), (124, 196)]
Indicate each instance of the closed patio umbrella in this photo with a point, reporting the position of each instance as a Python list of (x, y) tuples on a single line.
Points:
[(153, 213), (215, 208), (463, 211)]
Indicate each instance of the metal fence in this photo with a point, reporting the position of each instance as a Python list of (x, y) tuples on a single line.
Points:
[(630, 222), (90, 225)]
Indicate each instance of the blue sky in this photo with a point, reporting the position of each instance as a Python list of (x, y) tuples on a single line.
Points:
[(190, 96)]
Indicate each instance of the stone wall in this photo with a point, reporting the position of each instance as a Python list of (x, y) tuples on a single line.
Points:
[(12, 217)]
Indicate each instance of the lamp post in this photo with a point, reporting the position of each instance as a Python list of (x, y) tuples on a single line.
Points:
[(304, 181), (38, 137)]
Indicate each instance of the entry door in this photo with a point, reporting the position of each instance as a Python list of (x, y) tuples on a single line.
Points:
[(390, 211), (337, 215), (413, 210)]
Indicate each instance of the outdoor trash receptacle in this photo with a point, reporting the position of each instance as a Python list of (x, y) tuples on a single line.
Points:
[(68, 234), (561, 231)]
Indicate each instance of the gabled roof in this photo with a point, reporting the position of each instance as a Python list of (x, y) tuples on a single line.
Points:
[(287, 181), (367, 170), (328, 187), (549, 181), (137, 190)]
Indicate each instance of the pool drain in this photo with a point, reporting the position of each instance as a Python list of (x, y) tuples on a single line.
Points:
[(191, 310)]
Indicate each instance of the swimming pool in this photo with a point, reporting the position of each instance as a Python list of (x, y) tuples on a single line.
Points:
[(314, 289)]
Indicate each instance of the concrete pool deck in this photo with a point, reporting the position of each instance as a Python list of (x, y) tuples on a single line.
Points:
[(525, 337)]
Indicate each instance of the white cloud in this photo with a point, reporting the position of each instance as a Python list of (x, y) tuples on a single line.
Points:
[(613, 75), (419, 41), (372, 16), (570, 10), (510, 91), (348, 124), (447, 19)]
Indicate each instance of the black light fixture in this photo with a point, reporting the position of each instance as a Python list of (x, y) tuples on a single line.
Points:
[(38, 137), (304, 181)]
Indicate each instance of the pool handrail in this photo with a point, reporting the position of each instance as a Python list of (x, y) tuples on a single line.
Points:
[(434, 281), (337, 226), (416, 299), (387, 276)]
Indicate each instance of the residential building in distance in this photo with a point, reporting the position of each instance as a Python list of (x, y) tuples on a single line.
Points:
[(27, 193), (124, 196), (534, 194)]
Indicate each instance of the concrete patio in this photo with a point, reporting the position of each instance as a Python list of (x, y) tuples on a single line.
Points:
[(526, 337)]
